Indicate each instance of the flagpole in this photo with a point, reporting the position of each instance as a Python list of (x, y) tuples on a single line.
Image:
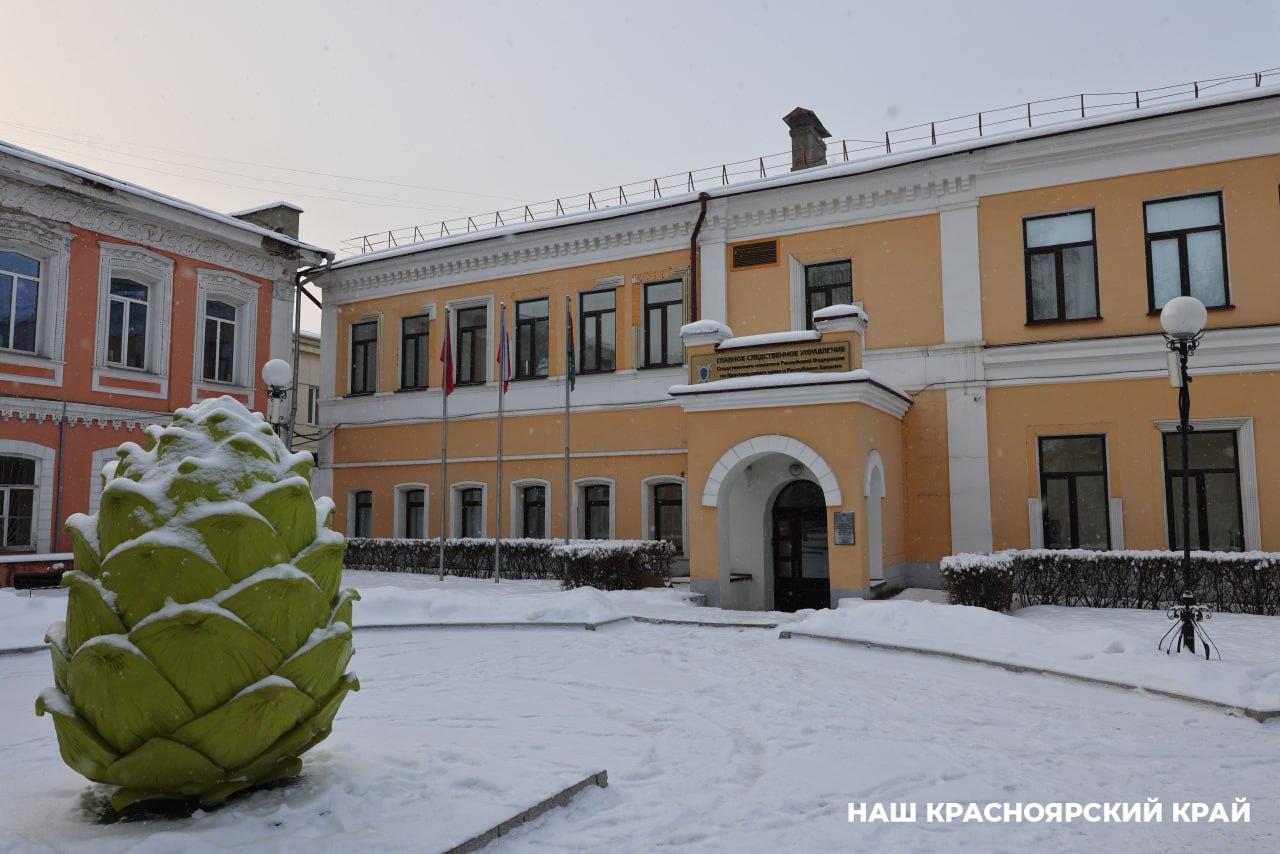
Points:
[(446, 386), (568, 381), (504, 357)]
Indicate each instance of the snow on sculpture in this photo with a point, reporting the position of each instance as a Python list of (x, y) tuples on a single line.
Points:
[(206, 636)]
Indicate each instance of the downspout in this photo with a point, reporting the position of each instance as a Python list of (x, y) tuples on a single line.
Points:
[(703, 198), (307, 274), (57, 497)]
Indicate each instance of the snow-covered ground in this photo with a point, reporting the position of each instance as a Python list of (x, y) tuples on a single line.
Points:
[(715, 739)]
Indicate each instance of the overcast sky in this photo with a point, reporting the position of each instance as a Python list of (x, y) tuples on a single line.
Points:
[(380, 115)]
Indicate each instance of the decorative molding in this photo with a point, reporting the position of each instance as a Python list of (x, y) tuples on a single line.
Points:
[(51, 246), (283, 291), (744, 453), (243, 294), (81, 211), (89, 415)]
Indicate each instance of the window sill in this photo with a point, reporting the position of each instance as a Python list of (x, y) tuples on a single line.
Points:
[(660, 367), (1059, 321), (1155, 312), (412, 389), (358, 394), (527, 379)]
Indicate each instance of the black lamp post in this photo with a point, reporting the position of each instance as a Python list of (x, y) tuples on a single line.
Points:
[(278, 376), (1183, 319)]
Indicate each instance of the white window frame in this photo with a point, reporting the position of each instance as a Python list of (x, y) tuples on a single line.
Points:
[(243, 294), (313, 404), (517, 505), (579, 504), (455, 506), (402, 498), (647, 522), (156, 273), (798, 280), (351, 512), (377, 351), (1245, 462), (490, 336), (52, 248), (42, 501)]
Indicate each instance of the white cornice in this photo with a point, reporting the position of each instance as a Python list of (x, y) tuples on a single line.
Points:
[(182, 234), (768, 397), (1223, 351), (39, 411)]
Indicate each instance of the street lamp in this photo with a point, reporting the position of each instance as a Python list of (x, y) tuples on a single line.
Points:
[(1183, 319), (278, 376)]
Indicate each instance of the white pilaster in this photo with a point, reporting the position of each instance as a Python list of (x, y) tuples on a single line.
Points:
[(961, 277), (969, 469), (282, 295)]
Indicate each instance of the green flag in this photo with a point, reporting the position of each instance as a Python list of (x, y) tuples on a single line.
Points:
[(572, 371)]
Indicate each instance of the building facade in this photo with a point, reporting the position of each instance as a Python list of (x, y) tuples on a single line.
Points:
[(984, 370), (117, 306)]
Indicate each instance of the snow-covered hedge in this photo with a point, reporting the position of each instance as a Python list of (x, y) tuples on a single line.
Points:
[(985, 581), (604, 564), (1241, 582)]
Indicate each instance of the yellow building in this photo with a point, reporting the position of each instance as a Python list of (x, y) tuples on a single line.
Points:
[(996, 380)]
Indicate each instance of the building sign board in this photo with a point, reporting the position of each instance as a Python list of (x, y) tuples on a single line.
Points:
[(844, 527), (817, 357)]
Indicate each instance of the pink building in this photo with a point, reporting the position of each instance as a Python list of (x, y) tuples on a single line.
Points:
[(117, 306)]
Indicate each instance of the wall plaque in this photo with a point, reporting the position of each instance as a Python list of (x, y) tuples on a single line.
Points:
[(817, 357), (844, 527)]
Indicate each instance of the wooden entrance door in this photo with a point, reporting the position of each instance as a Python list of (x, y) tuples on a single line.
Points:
[(801, 575)]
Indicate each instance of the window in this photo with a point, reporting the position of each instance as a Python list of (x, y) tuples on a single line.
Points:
[(364, 357), (663, 316), (1062, 267), (667, 514), (19, 301), (219, 341), (825, 285), (532, 338), (1186, 250), (413, 519), (533, 501), (127, 324), (17, 502), (1217, 522), (362, 513), (595, 501), (313, 405), (471, 515), (598, 311), (415, 351), (472, 362), (1073, 492)]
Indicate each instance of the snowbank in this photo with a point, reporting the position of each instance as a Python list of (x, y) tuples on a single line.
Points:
[(1112, 644)]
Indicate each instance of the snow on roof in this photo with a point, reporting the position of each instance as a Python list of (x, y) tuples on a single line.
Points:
[(268, 206), (8, 148), (706, 327), (861, 375), (824, 173), (770, 338)]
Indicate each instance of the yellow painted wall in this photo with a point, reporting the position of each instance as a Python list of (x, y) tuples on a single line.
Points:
[(1252, 221), (1125, 412), (897, 274), (657, 429), (927, 492), (554, 284)]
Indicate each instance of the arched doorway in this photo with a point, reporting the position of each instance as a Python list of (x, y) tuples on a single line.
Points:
[(801, 574)]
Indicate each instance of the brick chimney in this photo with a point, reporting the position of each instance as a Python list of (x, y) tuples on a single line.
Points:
[(807, 135), (277, 216)]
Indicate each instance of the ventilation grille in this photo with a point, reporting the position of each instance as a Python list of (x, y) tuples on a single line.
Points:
[(762, 253)]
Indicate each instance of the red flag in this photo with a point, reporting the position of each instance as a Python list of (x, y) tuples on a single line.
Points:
[(446, 356)]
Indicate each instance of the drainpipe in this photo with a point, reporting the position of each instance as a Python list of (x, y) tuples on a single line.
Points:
[(703, 198), (309, 274), (57, 497)]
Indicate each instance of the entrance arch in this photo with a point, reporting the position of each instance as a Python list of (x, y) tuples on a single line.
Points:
[(801, 569), (743, 486), (874, 492)]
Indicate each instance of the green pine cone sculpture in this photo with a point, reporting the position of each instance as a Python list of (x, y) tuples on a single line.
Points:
[(206, 636)]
